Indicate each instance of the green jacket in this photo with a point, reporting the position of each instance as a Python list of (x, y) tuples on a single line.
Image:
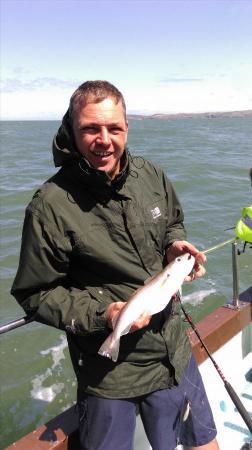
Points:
[(88, 242)]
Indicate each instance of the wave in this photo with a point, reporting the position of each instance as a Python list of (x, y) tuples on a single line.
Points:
[(48, 393), (195, 298), (25, 187)]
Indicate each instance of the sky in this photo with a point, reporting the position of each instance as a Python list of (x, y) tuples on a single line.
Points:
[(164, 56)]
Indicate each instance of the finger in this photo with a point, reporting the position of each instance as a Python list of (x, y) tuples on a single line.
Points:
[(201, 257), (141, 322), (145, 317), (189, 277), (112, 310), (114, 319), (199, 271)]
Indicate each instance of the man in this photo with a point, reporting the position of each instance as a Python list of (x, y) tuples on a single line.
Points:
[(92, 235)]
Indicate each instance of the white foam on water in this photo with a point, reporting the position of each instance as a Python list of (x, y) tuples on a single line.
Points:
[(48, 393), (57, 351), (195, 298)]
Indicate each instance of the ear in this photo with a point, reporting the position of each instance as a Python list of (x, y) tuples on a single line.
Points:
[(127, 129)]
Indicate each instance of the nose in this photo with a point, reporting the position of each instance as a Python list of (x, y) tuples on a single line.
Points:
[(103, 138)]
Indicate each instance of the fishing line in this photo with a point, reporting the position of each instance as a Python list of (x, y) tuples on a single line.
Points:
[(231, 392)]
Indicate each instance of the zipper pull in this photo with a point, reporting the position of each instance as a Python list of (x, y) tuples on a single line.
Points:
[(80, 360)]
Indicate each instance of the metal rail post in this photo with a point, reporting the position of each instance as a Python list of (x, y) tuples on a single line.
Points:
[(236, 301)]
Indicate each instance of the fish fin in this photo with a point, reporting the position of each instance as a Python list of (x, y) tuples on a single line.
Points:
[(126, 330), (178, 293), (110, 349)]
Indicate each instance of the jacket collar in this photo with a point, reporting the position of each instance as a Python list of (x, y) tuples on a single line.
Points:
[(99, 178)]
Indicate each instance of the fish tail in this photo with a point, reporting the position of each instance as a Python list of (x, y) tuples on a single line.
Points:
[(110, 348)]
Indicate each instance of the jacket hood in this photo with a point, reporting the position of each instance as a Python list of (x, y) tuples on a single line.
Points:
[(63, 147), (65, 154)]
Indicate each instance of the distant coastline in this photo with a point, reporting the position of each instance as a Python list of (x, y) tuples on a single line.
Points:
[(207, 115), (161, 116)]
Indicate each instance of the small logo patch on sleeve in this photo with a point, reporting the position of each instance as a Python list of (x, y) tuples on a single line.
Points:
[(156, 212)]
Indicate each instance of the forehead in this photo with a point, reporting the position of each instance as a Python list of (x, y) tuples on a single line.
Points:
[(102, 112)]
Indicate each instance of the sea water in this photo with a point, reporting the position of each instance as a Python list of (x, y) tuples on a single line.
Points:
[(208, 161)]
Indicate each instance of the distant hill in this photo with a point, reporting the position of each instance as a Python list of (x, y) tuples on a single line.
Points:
[(208, 115)]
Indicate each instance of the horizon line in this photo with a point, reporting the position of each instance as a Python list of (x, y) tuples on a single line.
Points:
[(144, 115)]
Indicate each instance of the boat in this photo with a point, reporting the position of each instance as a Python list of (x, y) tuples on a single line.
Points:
[(226, 334)]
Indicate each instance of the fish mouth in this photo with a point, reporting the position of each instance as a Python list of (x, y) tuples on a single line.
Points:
[(184, 257)]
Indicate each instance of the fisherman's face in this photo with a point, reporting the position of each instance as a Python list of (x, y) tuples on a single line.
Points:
[(100, 132)]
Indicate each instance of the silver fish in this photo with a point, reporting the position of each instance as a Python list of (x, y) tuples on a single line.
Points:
[(151, 298)]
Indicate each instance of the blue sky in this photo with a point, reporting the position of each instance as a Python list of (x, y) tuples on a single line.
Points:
[(165, 56)]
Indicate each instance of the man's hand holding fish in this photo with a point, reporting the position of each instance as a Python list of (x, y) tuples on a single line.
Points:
[(114, 310), (177, 248), (153, 296)]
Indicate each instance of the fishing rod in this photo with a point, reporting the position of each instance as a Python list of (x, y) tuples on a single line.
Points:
[(217, 246), (230, 390), (13, 324)]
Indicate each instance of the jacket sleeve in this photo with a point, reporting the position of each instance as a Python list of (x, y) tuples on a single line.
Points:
[(42, 286), (175, 229)]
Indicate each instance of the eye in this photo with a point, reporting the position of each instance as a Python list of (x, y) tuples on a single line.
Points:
[(178, 259), (89, 130), (115, 130)]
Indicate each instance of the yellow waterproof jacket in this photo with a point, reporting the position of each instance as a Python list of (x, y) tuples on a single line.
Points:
[(244, 225)]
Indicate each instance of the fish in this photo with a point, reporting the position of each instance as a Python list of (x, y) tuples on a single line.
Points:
[(152, 298)]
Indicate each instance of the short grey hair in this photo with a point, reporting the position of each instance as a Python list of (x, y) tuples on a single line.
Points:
[(94, 92)]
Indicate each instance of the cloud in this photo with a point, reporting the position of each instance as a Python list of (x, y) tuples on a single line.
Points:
[(206, 96), (35, 84), (48, 98), (34, 104), (181, 80), (18, 70)]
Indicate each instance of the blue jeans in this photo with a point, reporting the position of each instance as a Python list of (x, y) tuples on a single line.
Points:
[(170, 416)]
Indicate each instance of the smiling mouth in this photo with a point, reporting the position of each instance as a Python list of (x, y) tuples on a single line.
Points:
[(102, 154)]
